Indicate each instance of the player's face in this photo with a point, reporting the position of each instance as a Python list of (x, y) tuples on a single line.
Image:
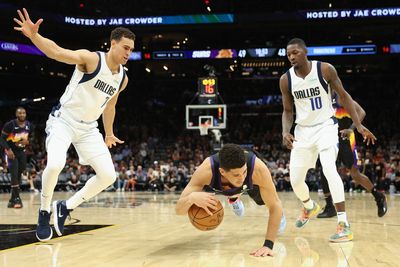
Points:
[(123, 49), (296, 54), (236, 176), (20, 114)]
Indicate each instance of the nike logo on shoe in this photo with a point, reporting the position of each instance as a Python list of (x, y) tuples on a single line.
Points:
[(59, 214)]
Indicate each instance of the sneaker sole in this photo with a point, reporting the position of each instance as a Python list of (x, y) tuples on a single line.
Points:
[(45, 239), (342, 239), (55, 219)]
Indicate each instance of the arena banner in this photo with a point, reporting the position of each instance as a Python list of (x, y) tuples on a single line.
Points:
[(145, 21), (351, 13), (20, 48), (226, 53)]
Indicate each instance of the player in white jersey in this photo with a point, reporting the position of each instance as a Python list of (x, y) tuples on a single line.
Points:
[(93, 91), (308, 85)]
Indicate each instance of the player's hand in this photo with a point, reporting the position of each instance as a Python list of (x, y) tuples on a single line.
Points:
[(262, 252), (204, 200), (345, 133), (287, 140), (27, 27), (10, 154), (22, 143), (367, 135), (111, 141)]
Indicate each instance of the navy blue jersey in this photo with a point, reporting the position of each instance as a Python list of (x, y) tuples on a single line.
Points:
[(13, 133)]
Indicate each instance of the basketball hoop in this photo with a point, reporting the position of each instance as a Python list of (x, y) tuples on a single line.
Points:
[(204, 129)]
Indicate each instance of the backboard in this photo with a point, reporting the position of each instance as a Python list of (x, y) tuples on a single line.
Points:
[(214, 115)]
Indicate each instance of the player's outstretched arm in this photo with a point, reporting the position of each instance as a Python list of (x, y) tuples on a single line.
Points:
[(330, 74), (192, 194), (49, 47), (268, 193)]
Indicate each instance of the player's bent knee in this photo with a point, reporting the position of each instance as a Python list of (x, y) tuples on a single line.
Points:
[(107, 177)]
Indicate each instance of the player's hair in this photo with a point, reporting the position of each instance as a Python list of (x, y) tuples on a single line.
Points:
[(231, 156), (298, 41), (20, 107), (120, 32)]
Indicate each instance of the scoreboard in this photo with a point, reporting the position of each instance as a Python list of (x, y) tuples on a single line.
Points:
[(207, 90)]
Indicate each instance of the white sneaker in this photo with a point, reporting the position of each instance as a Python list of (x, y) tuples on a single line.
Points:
[(282, 225), (237, 206)]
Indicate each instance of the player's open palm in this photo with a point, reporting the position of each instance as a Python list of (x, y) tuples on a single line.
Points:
[(112, 141), (27, 27), (369, 137), (262, 252), (288, 140)]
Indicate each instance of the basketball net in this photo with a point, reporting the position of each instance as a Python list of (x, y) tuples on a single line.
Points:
[(204, 128)]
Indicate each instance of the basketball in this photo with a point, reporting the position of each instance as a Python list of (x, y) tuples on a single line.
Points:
[(202, 220)]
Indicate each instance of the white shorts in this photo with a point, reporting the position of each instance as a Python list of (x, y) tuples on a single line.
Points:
[(62, 130), (311, 140)]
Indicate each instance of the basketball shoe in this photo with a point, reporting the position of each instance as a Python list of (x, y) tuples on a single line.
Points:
[(60, 214), (237, 206), (306, 215), (382, 205), (43, 228), (15, 203), (282, 225), (343, 233)]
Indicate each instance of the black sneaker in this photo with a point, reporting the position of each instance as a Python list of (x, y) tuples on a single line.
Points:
[(60, 215), (328, 212), (15, 203), (43, 229), (382, 205)]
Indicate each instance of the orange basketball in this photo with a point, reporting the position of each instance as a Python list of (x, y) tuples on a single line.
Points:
[(202, 220)]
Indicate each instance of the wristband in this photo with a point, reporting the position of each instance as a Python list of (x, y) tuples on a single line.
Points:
[(268, 243), (352, 127), (109, 135)]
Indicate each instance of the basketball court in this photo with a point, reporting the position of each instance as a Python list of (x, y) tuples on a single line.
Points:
[(141, 229)]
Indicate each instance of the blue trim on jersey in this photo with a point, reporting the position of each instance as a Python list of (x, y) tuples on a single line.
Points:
[(123, 78), (335, 120), (55, 108), (86, 77), (289, 81), (321, 77)]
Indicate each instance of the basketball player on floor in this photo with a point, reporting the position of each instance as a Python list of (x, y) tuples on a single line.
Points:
[(348, 156), (14, 138), (308, 85), (231, 172), (93, 91)]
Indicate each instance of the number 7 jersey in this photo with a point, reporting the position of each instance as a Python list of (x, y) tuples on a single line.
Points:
[(87, 95), (312, 96)]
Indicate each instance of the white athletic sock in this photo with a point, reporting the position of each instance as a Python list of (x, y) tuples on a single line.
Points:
[(105, 176), (92, 187), (342, 217), (309, 204), (49, 182)]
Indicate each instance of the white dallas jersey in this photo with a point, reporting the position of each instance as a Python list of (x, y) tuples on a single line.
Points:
[(312, 96), (87, 95)]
